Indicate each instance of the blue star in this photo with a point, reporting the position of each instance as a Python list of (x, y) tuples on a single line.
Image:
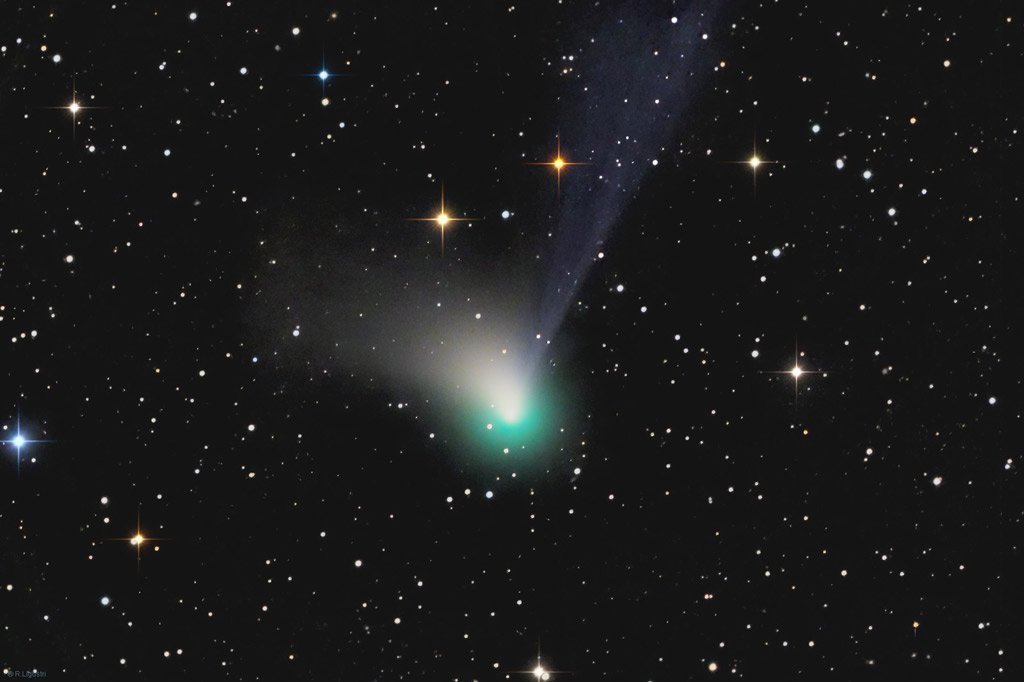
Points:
[(324, 74), (20, 441)]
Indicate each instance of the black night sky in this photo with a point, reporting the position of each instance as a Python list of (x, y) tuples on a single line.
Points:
[(728, 395)]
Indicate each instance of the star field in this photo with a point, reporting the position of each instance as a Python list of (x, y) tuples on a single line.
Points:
[(476, 341)]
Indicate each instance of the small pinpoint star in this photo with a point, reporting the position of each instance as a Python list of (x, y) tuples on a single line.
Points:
[(558, 164), (442, 219)]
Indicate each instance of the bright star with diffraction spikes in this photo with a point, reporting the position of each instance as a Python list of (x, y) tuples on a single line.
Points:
[(796, 372), (19, 441), (754, 162), (442, 219), (558, 164), (539, 671), (139, 539), (74, 107)]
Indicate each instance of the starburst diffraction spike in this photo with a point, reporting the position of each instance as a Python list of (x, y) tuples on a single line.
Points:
[(558, 164), (796, 371), (442, 219), (138, 539), (19, 441)]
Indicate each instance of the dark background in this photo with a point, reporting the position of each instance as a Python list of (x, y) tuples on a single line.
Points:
[(715, 511)]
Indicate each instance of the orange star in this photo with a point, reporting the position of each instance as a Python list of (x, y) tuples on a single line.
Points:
[(139, 538), (442, 219), (558, 164)]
